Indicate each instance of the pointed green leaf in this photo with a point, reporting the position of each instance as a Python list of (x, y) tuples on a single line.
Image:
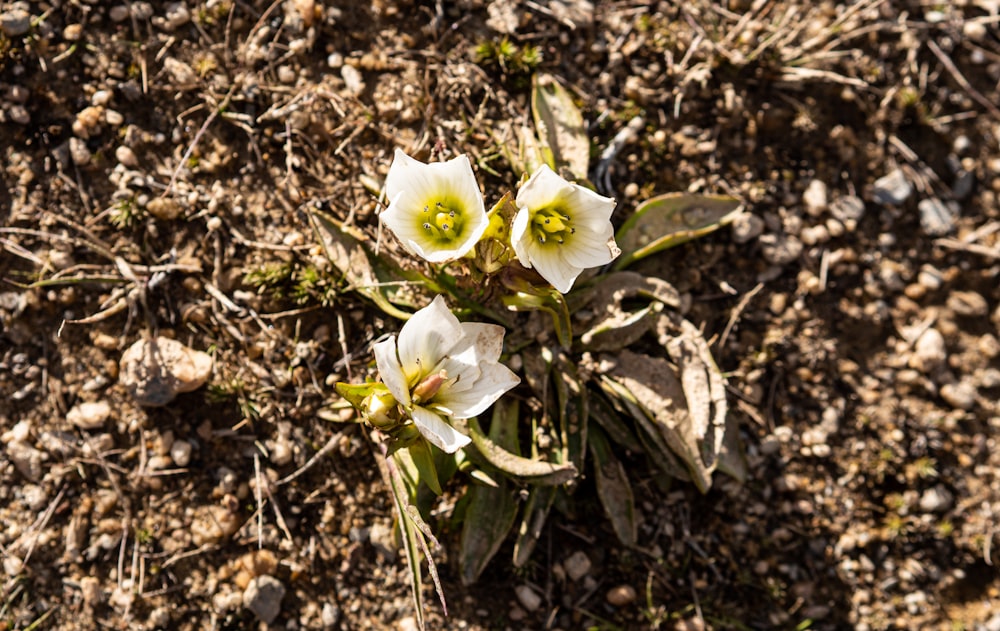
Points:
[(423, 459), (344, 247), (573, 414), (563, 136), (536, 511), (672, 219), (613, 488), (536, 472), (491, 510)]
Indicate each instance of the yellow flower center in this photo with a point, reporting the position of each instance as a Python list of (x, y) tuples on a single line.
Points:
[(551, 225), (443, 221)]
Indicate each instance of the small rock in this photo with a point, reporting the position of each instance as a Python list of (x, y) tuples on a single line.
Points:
[(929, 351), (155, 371), (286, 74), (263, 597), (849, 208), (530, 600), (89, 415), (27, 460), (961, 395), (937, 499), (409, 623), (212, 523), (746, 227), (15, 22), (34, 496), (577, 565), (78, 151), (621, 595), (352, 79), (177, 15), (72, 32), (118, 13), (936, 217), (815, 197), (165, 208), (329, 615), (382, 539), (19, 114), (180, 453), (12, 565), (965, 182), (126, 156), (90, 589), (780, 250), (892, 189), (968, 303)]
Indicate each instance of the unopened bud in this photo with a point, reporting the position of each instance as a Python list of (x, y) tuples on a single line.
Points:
[(379, 409)]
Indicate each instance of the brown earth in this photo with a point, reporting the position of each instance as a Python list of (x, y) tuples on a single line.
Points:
[(157, 158)]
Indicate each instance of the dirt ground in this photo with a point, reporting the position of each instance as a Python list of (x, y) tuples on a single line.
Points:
[(156, 160)]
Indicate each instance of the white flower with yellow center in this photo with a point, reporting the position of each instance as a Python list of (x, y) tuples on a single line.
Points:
[(440, 368), (562, 228), (436, 210)]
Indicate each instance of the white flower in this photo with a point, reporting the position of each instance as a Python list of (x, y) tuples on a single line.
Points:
[(435, 209), (440, 368), (562, 228)]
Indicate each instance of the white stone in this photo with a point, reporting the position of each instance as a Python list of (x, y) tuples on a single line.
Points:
[(180, 453), (90, 414)]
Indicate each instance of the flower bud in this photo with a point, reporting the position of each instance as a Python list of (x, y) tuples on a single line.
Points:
[(380, 409)]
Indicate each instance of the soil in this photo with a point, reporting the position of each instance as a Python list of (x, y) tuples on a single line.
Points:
[(157, 158)]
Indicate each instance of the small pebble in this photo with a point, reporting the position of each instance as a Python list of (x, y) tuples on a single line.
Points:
[(180, 453), (746, 227), (15, 22), (286, 74), (352, 79), (621, 595), (929, 352), (126, 156), (78, 151), (936, 217), (968, 303), (577, 565), (89, 415), (937, 499), (961, 396), (780, 250), (815, 197), (263, 597), (156, 370), (892, 189), (530, 600)]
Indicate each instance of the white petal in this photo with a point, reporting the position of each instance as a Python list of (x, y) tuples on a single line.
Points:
[(439, 432), (493, 382), (486, 339), (586, 249), (412, 185), (427, 336), (391, 371), (590, 208), (542, 189), (555, 269), (520, 236)]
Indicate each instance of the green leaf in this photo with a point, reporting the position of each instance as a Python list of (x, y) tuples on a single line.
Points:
[(536, 511), (491, 511), (537, 472), (573, 414), (662, 397), (356, 393), (613, 424), (563, 136), (344, 247), (613, 488), (423, 459), (544, 299), (672, 219)]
